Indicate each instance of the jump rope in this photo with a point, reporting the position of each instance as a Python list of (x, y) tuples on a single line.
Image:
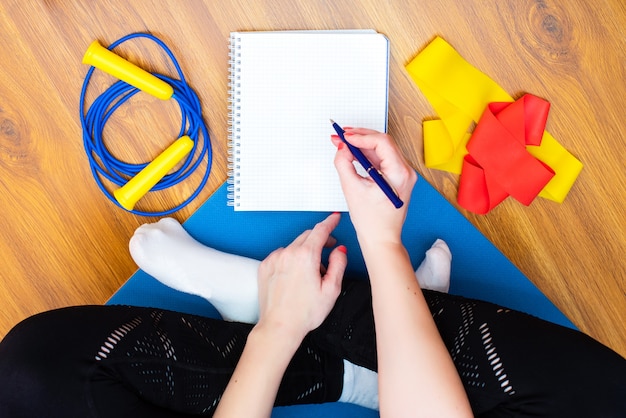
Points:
[(135, 180)]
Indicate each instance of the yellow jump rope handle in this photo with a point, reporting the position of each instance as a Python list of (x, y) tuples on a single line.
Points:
[(111, 63), (143, 181)]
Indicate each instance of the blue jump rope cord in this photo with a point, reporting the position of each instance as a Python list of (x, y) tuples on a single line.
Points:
[(104, 165)]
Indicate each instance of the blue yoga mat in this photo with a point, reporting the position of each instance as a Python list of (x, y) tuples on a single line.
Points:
[(479, 269)]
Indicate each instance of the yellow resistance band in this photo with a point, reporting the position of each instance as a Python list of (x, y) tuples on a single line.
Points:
[(459, 93)]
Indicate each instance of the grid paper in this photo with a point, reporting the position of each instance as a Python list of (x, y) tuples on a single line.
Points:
[(285, 88)]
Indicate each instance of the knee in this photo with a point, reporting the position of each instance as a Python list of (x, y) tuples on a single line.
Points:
[(21, 377), (32, 364)]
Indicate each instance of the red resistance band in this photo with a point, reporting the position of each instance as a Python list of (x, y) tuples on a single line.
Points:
[(497, 164)]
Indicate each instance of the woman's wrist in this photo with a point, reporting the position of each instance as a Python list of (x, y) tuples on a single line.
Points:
[(385, 241), (277, 335), (388, 249)]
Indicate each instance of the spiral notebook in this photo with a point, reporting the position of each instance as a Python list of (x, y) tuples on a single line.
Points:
[(284, 88)]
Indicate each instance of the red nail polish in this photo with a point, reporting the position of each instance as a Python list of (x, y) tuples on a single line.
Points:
[(341, 145), (343, 249)]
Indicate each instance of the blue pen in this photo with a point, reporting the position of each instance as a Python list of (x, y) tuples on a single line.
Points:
[(373, 172)]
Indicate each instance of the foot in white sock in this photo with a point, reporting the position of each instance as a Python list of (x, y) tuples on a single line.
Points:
[(360, 386), (434, 272), (168, 253)]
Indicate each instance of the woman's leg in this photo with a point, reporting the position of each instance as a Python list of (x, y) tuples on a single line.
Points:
[(530, 366), (146, 362), (511, 363), (168, 253), (115, 361), (54, 365)]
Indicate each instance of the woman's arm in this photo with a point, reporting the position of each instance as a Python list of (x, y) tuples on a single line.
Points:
[(416, 374), (253, 386), (294, 298)]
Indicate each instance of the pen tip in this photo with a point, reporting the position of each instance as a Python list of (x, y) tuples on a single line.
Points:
[(332, 122)]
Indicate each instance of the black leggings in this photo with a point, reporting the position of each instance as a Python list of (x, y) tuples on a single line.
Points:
[(118, 361)]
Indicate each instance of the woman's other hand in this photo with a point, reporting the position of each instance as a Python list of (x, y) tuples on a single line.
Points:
[(295, 292)]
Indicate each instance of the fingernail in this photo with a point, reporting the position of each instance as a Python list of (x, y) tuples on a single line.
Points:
[(349, 133), (343, 249), (336, 213), (341, 145)]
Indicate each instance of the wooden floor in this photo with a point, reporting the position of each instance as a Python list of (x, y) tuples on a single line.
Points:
[(63, 243)]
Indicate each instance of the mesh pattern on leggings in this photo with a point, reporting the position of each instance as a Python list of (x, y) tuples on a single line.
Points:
[(184, 362), (462, 323), (464, 327)]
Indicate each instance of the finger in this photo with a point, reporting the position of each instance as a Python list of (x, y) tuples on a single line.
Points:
[(300, 239), (340, 144), (376, 141), (383, 153), (335, 140), (320, 234), (337, 263), (363, 136), (374, 145), (331, 242), (360, 131), (364, 139), (347, 172)]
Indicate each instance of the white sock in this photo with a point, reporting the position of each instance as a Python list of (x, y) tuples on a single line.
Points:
[(168, 253), (434, 272), (360, 386)]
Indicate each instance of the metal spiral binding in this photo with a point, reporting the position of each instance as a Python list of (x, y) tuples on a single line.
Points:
[(234, 114)]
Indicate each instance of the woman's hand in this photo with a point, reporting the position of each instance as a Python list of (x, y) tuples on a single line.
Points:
[(373, 215), (294, 295), (294, 298)]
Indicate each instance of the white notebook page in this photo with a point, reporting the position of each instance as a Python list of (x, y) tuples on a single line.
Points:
[(288, 86)]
